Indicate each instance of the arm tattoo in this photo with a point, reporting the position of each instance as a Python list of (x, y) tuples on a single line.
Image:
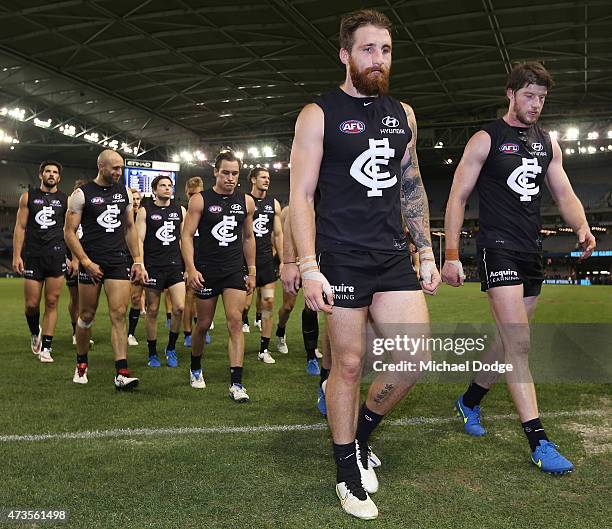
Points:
[(415, 207)]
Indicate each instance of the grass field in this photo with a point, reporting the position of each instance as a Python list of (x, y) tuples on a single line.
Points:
[(201, 461)]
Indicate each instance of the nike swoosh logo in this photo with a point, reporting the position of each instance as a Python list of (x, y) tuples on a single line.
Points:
[(345, 458), (366, 104)]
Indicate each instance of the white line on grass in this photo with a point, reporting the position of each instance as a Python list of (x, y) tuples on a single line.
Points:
[(151, 432)]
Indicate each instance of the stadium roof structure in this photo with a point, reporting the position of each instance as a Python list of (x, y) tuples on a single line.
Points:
[(160, 75)]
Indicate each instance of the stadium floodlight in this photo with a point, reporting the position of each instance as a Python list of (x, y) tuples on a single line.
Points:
[(554, 134), (187, 156), (68, 130), (582, 150), (593, 135), (176, 158), (569, 151), (239, 155), (113, 144), (267, 165), (254, 152), (277, 165), (92, 136), (200, 156), (610, 134), (572, 133), (42, 124), (267, 152), (591, 149)]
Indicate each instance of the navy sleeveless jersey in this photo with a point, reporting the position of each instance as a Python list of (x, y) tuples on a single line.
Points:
[(220, 232), (358, 205), (263, 228), (510, 187), (162, 241), (45, 225), (102, 220)]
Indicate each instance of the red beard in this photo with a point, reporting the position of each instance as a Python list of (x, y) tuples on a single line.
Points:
[(367, 85)]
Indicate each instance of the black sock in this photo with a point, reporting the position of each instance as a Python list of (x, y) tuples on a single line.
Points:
[(195, 321), (263, 344), (367, 421), (474, 395), (133, 321), (324, 376), (280, 332), (535, 432), (187, 333), (33, 323), (168, 315), (73, 323), (152, 347), (245, 317), (236, 375), (121, 366), (46, 341), (258, 316), (172, 337), (310, 332), (82, 359), (346, 466), (196, 362)]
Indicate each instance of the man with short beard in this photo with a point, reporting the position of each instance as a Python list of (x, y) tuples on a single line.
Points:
[(103, 208), (507, 162), (39, 224), (354, 163)]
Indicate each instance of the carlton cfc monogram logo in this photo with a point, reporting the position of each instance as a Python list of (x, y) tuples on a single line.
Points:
[(44, 217), (223, 231), (108, 219), (366, 167), (519, 182), (166, 233), (260, 225)]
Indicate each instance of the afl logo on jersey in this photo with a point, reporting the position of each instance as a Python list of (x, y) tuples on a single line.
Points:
[(97, 200), (352, 126), (509, 148), (38, 201), (155, 216), (215, 209)]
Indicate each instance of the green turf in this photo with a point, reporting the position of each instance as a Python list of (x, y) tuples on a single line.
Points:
[(433, 476)]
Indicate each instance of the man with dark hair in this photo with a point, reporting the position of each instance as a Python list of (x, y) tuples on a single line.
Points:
[(267, 229), (39, 234), (136, 289), (354, 152), (223, 218), (507, 162), (103, 208), (159, 224)]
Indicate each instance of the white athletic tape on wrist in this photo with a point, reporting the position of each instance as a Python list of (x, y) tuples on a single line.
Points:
[(315, 275), (426, 254), (426, 270), (459, 267), (84, 324)]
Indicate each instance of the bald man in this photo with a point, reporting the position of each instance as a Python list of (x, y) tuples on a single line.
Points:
[(103, 208)]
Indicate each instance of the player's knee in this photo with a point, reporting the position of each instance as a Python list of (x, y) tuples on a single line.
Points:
[(349, 367), (203, 325), (117, 314), (153, 310), (31, 307), (85, 323), (234, 323), (177, 310), (51, 302)]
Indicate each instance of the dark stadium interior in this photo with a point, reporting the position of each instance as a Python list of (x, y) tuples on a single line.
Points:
[(177, 81)]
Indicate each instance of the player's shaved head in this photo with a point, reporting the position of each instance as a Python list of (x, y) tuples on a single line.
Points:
[(109, 157)]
